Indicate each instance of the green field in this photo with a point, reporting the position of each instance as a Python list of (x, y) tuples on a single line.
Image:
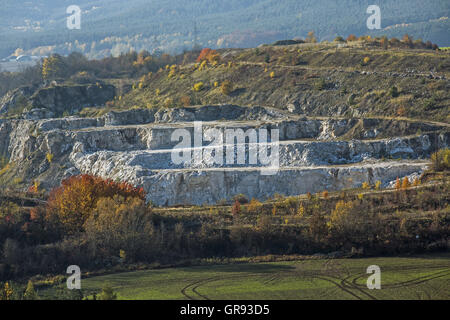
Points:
[(426, 277)]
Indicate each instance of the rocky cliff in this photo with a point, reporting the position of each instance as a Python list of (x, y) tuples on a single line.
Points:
[(137, 146), (55, 100)]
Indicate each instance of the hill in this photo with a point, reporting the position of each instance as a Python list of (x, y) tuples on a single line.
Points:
[(344, 80), (111, 27)]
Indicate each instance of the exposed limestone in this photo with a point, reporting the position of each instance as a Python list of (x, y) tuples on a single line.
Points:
[(136, 146)]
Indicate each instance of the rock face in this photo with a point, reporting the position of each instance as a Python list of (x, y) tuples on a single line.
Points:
[(56, 100), (138, 146), (15, 98)]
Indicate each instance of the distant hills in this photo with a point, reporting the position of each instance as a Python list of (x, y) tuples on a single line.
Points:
[(113, 26)]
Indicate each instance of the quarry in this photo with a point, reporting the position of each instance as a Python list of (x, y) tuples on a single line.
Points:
[(312, 154)]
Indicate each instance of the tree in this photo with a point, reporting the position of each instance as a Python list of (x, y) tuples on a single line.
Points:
[(6, 293), (440, 160), (75, 200), (405, 183), (311, 38), (121, 225), (393, 92), (212, 56), (339, 214), (30, 293), (318, 226), (398, 184), (384, 42), (407, 40), (236, 208), (52, 67), (351, 37)]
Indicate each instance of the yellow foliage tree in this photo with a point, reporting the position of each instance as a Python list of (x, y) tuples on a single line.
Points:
[(405, 183), (226, 87), (340, 213)]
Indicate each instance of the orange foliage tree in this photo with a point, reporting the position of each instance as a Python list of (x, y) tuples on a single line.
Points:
[(74, 201), (212, 56)]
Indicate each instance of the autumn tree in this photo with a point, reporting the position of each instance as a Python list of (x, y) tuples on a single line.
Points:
[(211, 56), (440, 160), (311, 38), (405, 183), (52, 67), (339, 215), (407, 40), (76, 198), (236, 208), (398, 184), (121, 224), (351, 37)]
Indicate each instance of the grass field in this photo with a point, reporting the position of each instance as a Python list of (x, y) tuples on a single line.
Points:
[(425, 277)]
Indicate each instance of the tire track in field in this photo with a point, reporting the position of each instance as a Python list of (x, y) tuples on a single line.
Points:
[(337, 284), (194, 286), (346, 283), (183, 291)]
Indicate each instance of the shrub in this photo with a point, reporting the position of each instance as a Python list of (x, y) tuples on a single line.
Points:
[(198, 86), (401, 111), (321, 84), (236, 208), (254, 206), (226, 87), (378, 185), (107, 294), (49, 157), (393, 92), (366, 60), (242, 199), (185, 101), (168, 103)]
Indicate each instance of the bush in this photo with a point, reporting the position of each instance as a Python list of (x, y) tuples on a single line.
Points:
[(226, 87), (185, 101), (198, 86), (242, 199), (321, 84), (440, 161), (393, 92)]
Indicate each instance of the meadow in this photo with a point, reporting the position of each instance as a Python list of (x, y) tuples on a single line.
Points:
[(421, 277)]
